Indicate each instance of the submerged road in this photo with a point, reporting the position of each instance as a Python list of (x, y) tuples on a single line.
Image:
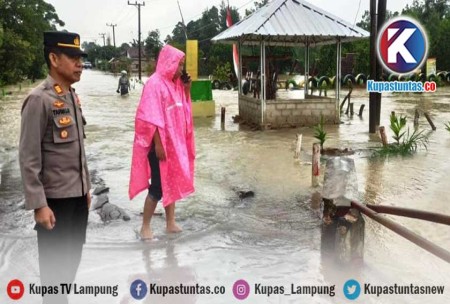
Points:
[(271, 239)]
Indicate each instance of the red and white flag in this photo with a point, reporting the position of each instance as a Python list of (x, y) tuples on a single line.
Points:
[(235, 52)]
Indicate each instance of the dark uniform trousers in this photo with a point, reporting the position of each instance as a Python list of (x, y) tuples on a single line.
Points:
[(60, 248)]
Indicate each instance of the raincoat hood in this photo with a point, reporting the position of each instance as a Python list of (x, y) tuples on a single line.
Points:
[(168, 61)]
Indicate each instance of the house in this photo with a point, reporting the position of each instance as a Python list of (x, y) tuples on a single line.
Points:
[(133, 54)]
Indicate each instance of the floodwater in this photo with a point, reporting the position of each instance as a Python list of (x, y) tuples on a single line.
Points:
[(272, 239)]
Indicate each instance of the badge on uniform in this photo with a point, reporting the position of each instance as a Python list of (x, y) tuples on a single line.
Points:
[(65, 120), (58, 104), (58, 89), (64, 134)]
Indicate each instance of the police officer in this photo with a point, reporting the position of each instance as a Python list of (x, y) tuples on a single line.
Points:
[(53, 163)]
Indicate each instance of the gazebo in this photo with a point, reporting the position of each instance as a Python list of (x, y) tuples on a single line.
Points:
[(290, 23)]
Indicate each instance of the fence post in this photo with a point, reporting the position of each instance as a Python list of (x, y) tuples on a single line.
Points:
[(383, 136), (315, 165), (416, 118), (427, 116), (298, 146), (222, 117), (361, 109)]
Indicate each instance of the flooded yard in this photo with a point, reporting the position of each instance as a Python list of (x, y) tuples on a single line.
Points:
[(272, 238)]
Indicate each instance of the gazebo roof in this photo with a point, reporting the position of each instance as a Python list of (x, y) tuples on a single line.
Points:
[(291, 22)]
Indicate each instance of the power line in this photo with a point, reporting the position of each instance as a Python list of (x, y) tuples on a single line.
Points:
[(356, 16), (191, 18)]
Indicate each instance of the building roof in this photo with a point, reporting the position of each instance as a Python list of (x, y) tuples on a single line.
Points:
[(291, 22), (133, 52)]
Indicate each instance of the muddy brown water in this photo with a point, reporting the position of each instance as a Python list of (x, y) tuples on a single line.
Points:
[(272, 238)]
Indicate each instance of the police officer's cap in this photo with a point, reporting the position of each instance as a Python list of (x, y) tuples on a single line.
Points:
[(67, 43)]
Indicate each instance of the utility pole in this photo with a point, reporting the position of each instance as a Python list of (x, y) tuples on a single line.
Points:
[(103, 35), (138, 5), (377, 19), (381, 17), (373, 122), (114, 34), (182, 20)]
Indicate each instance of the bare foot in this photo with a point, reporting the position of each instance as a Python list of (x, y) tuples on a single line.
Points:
[(146, 234), (173, 228)]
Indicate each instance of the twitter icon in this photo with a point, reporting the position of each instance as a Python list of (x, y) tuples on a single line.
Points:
[(352, 289)]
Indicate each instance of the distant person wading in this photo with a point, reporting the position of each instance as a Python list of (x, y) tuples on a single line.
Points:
[(124, 84)]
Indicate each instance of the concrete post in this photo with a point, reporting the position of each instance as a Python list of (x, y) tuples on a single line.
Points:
[(342, 226), (315, 165)]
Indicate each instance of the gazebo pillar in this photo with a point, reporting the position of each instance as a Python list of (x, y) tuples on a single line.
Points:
[(263, 82), (306, 86), (338, 72)]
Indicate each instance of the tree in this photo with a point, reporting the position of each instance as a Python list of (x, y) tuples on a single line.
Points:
[(23, 23), (211, 23), (223, 16), (125, 46), (86, 46), (178, 34), (101, 53), (1, 34), (434, 15), (153, 44), (258, 5)]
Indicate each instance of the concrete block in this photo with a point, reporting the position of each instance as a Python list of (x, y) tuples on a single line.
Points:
[(204, 108)]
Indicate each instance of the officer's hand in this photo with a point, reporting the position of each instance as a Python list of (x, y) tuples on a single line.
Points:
[(118, 91), (44, 216), (88, 198), (160, 153)]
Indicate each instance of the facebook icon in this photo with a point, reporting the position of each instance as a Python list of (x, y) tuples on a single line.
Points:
[(138, 289)]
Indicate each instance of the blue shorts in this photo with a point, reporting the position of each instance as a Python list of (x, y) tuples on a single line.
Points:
[(154, 190)]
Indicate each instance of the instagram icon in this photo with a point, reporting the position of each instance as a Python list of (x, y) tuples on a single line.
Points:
[(241, 289)]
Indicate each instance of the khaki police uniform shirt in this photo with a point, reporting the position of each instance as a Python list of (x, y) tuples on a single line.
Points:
[(51, 149)]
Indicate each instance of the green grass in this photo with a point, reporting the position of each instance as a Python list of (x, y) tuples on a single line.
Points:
[(410, 144), (406, 143), (447, 126)]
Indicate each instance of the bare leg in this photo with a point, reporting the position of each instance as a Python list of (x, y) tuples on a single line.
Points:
[(171, 225), (149, 209)]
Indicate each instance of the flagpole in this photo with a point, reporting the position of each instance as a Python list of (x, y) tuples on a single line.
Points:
[(235, 53)]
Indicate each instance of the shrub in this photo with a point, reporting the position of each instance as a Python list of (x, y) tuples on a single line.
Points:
[(406, 143), (320, 134)]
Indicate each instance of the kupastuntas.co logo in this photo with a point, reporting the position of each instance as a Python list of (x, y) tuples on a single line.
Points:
[(402, 45)]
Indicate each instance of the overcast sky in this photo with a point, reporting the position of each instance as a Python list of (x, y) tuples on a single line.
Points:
[(89, 17)]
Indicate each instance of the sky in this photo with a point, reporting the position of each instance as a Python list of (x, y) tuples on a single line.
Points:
[(89, 17)]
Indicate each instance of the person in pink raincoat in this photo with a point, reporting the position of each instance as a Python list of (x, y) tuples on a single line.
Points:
[(163, 149)]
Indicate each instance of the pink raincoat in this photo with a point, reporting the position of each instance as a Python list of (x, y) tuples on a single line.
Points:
[(164, 105)]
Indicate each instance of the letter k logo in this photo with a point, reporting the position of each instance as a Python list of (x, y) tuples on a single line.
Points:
[(398, 45)]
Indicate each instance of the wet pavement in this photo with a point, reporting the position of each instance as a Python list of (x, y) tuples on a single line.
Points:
[(272, 238)]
